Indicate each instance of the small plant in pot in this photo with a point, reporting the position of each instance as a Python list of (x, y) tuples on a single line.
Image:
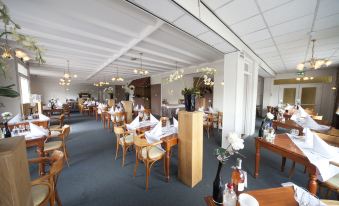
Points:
[(190, 95)]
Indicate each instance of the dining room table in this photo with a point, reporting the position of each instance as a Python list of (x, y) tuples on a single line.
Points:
[(17, 120), (284, 146), (49, 111)]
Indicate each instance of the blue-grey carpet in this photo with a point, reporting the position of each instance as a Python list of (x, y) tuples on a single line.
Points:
[(95, 178)]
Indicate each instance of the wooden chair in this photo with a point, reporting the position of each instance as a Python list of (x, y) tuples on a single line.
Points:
[(44, 188), (50, 146), (86, 109), (106, 119), (118, 118), (208, 124), (67, 111), (148, 154), (125, 139), (61, 120), (95, 111)]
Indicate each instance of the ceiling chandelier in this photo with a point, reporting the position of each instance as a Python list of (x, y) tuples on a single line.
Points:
[(301, 76), (66, 79), (141, 70), (314, 63), (178, 74), (101, 83), (117, 77)]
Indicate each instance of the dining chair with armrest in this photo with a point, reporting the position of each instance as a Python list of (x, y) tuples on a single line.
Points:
[(44, 188), (125, 139), (61, 120), (148, 154)]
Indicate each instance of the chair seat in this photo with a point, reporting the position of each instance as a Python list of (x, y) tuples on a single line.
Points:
[(334, 182), (154, 152), (128, 139), (54, 127), (39, 193), (55, 133), (53, 145)]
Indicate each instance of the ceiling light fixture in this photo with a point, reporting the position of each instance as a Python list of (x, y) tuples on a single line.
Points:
[(301, 76), (178, 74), (117, 77), (208, 74), (314, 63), (141, 70), (66, 79)]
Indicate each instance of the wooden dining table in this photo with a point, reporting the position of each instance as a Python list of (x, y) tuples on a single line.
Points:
[(285, 147), (280, 196), (288, 124)]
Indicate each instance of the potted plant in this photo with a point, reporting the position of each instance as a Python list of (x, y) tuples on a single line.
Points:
[(5, 117)]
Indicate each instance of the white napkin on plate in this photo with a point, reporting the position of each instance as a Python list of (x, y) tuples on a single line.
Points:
[(153, 119), (134, 124), (154, 135), (136, 108), (37, 131)]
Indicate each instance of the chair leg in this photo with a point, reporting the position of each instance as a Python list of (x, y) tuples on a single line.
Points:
[(57, 198), (147, 175), (305, 169), (123, 155), (136, 162), (66, 155), (290, 174), (117, 149)]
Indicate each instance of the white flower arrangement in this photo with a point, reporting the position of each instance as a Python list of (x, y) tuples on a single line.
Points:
[(236, 143), (269, 116), (6, 115)]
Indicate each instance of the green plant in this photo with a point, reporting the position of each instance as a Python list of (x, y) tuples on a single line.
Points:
[(7, 91)]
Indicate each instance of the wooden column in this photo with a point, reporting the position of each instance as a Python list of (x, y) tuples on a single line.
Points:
[(111, 103), (128, 109), (15, 187), (190, 151)]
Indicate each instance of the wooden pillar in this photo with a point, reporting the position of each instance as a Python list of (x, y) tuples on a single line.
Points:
[(128, 106), (190, 153), (15, 187), (111, 103)]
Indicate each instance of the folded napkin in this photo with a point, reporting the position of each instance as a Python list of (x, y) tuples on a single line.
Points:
[(134, 124), (153, 119), (111, 110), (305, 120), (211, 110), (175, 123), (36, 131), (303, 197), (201, 109), (136, 108), (154, 135)]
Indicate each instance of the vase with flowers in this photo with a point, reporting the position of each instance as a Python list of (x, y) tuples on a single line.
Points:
[(6, 116), (235, 143), (52, 103), (267, 122)]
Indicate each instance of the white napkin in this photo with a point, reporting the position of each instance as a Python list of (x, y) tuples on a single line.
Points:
[(201, 109), (175, 123), (36, 131), (153, 119), (134, 124), (177, 111), (210, 109), (116, 110), (300, 194), (154, 135), (136, 108), (111, 110), (142, 108), (305, 120), (59, 104)]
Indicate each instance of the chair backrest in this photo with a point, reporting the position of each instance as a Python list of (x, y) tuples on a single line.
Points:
[(58, 159), (119, 131), (66, 108), (62, 119), (119, 117), (164, 121)]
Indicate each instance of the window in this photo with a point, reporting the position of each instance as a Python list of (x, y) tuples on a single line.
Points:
[(24, 90)]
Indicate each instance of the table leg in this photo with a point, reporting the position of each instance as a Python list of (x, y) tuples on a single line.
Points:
[(283, 162), (257, 158), (312, 184), (167, 163)]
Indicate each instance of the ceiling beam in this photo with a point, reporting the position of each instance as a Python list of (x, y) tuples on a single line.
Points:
[(145, 33), (169, 63), (175, 49)]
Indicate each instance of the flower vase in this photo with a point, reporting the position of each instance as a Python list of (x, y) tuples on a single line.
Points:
[(218, 187), (7, 132), (189, 102)]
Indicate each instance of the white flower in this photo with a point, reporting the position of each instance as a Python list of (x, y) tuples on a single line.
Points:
[(235, 141), (269, 115)]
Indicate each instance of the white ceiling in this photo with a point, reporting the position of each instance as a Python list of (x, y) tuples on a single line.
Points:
[(279, 30), (99, 36)]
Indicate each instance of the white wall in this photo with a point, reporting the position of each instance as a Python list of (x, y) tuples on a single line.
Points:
[(10, 104), (271, 92), (172, 91), (49, 88)]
